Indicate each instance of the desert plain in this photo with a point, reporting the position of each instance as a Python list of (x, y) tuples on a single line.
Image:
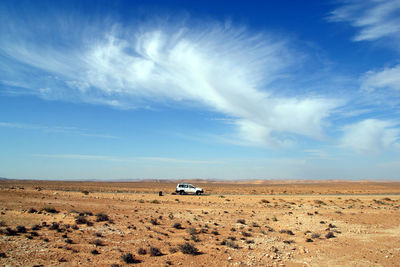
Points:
[(245, 223)]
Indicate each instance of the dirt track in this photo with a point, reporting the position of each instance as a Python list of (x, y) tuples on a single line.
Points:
[(251, 229)]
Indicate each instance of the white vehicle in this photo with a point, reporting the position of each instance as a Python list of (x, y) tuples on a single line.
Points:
[(188, 189)]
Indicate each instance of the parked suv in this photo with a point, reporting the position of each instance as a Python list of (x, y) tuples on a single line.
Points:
[(188, 189)]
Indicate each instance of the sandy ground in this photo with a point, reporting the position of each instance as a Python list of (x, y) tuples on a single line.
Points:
[(236, 224)]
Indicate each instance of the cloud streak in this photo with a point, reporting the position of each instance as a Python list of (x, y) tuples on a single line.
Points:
[(374, 19), (225, 69), (126, 159), (54, 129)]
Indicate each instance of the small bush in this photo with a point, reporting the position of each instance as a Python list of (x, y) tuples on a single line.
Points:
[(173, 250), (230, 243), (309, 240), (319, 202), (32, 210), (128, 258), (188, 248), (95, 252), (85, 192), (69, 241), (195, 238), (21, 229), (246, 234), (50, 210), (241, 221), (36, 227), (155, 201), (192, 231), (10, 232), (215, 232), (142, 251), (34, 234), (264, 201), (101, 217), (81, 220), (315, 235), (54, 226), (154, 222), (330, 235), (177, 225), (289, 232), (154, 252)]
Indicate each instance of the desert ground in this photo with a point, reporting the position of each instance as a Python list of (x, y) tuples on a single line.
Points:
[(246, 223)]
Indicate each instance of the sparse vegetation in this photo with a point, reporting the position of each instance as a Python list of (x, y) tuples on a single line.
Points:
[(50, 209), (229, 243), (142, 251), (319, 202), (154, 252), (330, 235), (289, 232), (188, 248), (154, 221), (241, 221), (32, 210), (128, 258), (177, 225), (10, 232), (315, 235), (102, 217), (21, 229)]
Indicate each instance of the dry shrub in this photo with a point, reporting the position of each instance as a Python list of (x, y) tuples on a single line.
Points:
[(188, 248)]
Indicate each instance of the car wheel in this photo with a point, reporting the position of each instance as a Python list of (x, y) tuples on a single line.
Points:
[(181, 192)]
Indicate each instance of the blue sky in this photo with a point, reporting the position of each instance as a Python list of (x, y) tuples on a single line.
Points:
[(200, 89)]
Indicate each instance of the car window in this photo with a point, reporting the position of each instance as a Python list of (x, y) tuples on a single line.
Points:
[(192, 186), (185, 186)]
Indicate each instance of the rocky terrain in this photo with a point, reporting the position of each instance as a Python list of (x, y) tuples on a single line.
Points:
[(329, 223)]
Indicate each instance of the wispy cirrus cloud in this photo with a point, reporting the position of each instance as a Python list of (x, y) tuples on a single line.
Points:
[(219, 67), (126, 159), (375, 19), (54, 129)]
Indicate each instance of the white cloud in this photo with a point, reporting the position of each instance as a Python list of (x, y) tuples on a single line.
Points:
[(371, 136), (389, 78), (224, 69), (126, 159), (54, 129), (375, 18)]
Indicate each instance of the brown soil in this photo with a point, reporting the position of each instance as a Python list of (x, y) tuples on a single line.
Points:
[(235, 224)]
